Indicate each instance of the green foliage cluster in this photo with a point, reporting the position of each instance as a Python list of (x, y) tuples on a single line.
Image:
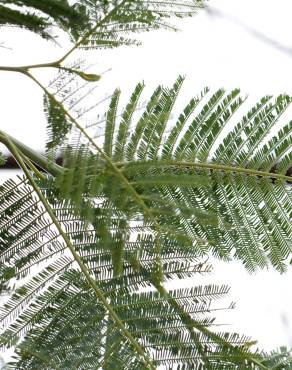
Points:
[(87, 248), (40, 16)]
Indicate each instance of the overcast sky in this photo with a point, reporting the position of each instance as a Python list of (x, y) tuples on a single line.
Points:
[(237, 43)]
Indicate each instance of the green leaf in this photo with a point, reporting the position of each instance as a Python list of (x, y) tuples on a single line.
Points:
[(58, 124), (8, 273)]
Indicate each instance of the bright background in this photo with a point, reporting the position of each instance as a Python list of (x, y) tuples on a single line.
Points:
[(234, 43)]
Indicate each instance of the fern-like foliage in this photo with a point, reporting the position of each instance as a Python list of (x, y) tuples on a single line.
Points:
[(87, 249), (196, 188), (65, 326), (39, 16), (142, 204), (104, 23), (113, 21)]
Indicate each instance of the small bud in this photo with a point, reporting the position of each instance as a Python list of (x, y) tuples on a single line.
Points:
[(89, 76)]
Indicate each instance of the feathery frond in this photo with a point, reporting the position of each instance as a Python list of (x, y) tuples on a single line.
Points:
[(140, 210), (231, 201), (139, 201), (38, 16), (55, 310), (94, 24)]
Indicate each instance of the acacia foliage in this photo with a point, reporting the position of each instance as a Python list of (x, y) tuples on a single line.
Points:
[(88, 247)]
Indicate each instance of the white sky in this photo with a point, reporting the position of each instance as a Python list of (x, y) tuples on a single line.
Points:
[(210, 51)]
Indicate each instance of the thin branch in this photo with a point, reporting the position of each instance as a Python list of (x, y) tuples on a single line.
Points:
[(35, 157), (57, 63), (23, 69)]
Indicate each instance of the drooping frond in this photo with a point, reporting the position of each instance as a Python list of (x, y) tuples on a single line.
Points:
[(148, 317), (54, 318)]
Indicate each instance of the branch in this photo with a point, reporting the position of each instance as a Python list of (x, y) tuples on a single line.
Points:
[(25, 68), (39, 159)]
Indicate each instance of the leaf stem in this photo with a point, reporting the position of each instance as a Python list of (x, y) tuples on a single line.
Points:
[(208, 166)]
